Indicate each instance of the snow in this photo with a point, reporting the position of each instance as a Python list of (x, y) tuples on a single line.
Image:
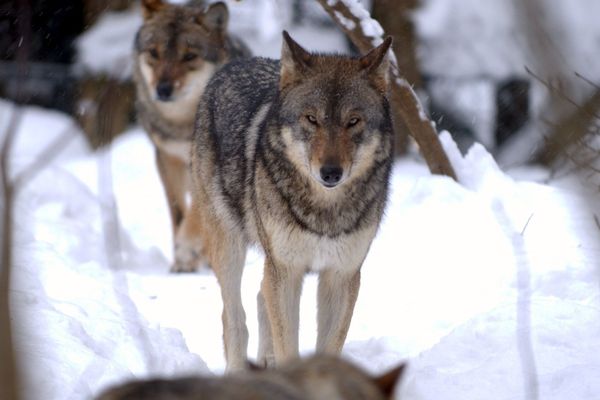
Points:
[(345, 22), (441, 284), (448, 285)]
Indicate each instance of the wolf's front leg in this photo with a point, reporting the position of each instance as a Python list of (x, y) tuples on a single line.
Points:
[(336, 297), (266, 356), (281, 288)]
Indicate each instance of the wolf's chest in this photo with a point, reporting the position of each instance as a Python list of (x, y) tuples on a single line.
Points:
[(302, 249), (180, 149)]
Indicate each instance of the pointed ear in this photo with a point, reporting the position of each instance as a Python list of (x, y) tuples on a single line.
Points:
[(216, 17), (376, 64), (150, 7), (295, 61), (388, 381)]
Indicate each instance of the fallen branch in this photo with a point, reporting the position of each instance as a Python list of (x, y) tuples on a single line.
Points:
[(366, 33)]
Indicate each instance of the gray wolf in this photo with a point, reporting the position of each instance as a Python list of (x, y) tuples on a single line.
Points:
[(177, 50), (315, 378), (295, 156)]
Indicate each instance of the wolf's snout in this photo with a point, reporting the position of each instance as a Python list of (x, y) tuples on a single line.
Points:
[(331, 175), (164, 90)]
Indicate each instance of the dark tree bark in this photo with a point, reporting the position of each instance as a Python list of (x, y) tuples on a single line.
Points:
[(402, 96), (394, 17)]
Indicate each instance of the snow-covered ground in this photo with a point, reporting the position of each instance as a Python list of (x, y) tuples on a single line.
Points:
[(441, 286)]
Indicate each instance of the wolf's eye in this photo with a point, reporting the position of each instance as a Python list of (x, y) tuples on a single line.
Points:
[(189, 56), (153, 53), (353, 121), (311, 118)]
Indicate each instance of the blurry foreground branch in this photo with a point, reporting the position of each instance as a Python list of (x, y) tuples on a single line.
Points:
[(9, 384), (366, 33)]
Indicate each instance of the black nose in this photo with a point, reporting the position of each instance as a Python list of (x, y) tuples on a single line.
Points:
[(331, 174), (164, 90)]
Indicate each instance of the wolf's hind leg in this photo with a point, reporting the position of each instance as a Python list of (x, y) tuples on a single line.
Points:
[(227, 259), (281, 288), (336, 297)]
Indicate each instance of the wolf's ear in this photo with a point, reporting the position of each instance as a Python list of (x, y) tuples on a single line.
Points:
[(294, 61), (150, 7), (376, 63), (388, 381), (216, 17)]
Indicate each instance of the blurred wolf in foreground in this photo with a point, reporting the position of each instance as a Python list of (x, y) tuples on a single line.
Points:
[(294, 155), (177, 50), (316, 378)]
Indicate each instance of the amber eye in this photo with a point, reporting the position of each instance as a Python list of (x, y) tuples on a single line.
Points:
[(353, 121), (312, 119), (189, 56), (153, 53)]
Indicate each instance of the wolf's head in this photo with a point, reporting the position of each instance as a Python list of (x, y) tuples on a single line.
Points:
[(334, 112), (331, 377), (178, 48)]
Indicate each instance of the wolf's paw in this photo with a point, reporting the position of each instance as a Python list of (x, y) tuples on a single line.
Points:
[(187, 258)]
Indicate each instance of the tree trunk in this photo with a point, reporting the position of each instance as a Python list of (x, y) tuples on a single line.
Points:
[(394, 17), (366, 33)]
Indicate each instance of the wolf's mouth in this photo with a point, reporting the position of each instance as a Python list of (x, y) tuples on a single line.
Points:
[(329, 185)]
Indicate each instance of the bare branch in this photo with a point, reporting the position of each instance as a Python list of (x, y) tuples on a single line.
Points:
[(570, 130)]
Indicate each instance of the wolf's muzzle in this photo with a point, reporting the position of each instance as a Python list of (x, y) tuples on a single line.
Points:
[(164, 90), (331, 175)]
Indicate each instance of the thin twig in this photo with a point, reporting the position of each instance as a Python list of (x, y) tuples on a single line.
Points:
[(559, 92), (586, 80), (597, 221)]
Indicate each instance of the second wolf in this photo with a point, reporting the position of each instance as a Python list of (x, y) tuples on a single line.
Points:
[(294, 155), (316, 378), (177, 50)]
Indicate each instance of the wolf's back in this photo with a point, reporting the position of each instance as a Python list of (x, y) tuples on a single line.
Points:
[(235, 93), (233, 107)]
